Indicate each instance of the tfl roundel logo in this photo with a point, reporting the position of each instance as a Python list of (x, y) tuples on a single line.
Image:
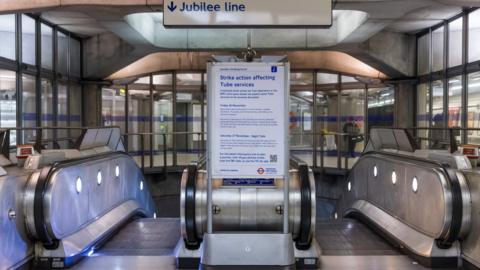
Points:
[(261, 171)]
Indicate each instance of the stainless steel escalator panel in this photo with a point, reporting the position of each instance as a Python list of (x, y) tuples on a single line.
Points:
[(471, 242), (83, 201), (15, 247), (428, 210), (413, 240)]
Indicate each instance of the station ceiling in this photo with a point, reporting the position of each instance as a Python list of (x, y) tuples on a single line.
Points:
[(139, 24)]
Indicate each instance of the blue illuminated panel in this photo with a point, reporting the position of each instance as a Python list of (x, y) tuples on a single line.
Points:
[(231, 182)]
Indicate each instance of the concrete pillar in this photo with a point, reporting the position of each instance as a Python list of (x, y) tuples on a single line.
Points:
[(92, 104), (404, 115)]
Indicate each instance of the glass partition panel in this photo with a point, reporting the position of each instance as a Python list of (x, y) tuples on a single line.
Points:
[(163, 118), (188, 145), (327, 78), (301, 125), (423, 57), (28, 40), (62, 53), (352, 120), (8, 102), (75, 58), (473, 106), (327, 122), (455, 97), (455, 48), (381, 103), (47, 110), (438, 137), (47, 46), (7, 36), (138, 122), (438, 37), (162, 123), (474, 36), (62, 114), (113, 107), (423, 113), (29, 106), (75, 95)]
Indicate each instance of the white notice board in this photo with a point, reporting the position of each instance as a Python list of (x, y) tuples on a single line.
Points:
[(248, 123)]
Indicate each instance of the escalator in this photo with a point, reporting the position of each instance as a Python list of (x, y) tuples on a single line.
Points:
[(399, 210)]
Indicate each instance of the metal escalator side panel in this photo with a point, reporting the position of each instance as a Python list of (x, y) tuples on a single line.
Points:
[(471, 241), (76, 195), (15, 248), (428, 210), (418, 244)]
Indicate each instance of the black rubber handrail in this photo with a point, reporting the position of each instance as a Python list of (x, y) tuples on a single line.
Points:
[(454, 230), (46, 173)]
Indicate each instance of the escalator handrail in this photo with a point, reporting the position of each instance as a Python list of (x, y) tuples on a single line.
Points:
[(454, 230), (42, 186)]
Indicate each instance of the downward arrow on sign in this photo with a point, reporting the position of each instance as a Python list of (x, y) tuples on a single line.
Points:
[(172, 6)]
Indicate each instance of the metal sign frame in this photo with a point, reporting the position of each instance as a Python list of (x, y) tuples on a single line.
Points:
[(210, 107), (245, 26)]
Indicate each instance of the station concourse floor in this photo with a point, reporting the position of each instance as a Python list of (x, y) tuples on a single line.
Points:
[(149, 244)]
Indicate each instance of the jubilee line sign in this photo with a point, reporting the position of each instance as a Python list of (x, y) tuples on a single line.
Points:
[(248, 13)]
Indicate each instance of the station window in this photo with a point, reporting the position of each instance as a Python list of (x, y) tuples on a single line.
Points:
[(139, 114), (352, 104), (113, 106), (473, 117), (62, 113), (455, 47), (455, 102), (75, 58), (423, 60), (29, 107), (437, 49), (423, 111), (162, 117), (62, 53), (75, 95), (8, 103), (474, 36), (327, 78), (47, 107), (7, 36), (47, 46), (28, 40), (381, 102)]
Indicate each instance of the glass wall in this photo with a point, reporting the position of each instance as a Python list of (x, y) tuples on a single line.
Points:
[(447, 91), (437, 49), (29, 40), (163, 117), (8, 101), (62, 113), (381, 103), (423, 47), (29, 85), (113, 106), (423, 112), (474, 36), (47, 46), (7, 36), (473, 106), (62, 53), (455, 46), (173, 106), (47, 116), (45, 103)]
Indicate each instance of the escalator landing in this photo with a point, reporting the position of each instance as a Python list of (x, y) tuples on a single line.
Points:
[(150, 243)]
